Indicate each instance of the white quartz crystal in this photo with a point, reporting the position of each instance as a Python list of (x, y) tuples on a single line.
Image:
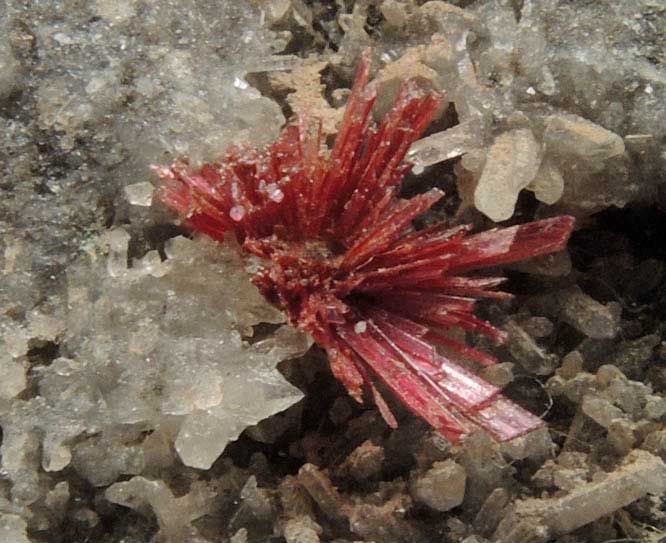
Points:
[(512, 164)]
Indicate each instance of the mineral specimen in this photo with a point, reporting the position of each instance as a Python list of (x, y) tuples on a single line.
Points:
[(626, 409), (526, 351), (339, 255), (451, 143), (364, 462), (373, 522), (93, 92)]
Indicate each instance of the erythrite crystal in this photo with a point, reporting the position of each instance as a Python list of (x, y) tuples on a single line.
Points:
[(340, 257)]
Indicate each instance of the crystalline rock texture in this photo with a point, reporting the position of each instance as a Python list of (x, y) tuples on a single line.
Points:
[(338, 254)]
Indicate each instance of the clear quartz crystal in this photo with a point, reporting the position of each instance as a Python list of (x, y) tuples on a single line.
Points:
[(450, 143)]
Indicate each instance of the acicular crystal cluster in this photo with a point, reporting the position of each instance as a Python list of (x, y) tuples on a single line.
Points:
[(338, 253)]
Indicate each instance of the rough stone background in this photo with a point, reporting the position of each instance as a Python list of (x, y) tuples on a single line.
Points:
[(123, 376)]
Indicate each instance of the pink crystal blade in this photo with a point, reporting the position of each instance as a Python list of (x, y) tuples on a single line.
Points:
[(339, 254)]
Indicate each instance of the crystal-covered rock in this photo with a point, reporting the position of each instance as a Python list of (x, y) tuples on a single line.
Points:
[(146, 350), (102, 459)]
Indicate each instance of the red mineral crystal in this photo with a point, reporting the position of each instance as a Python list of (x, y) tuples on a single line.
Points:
[(340, 256)]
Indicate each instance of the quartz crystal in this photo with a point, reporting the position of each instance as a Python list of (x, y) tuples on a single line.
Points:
[(527, 353), (441, 146), (568, 135), (548, 184), (590, 317), (512, 164), (12, 377)]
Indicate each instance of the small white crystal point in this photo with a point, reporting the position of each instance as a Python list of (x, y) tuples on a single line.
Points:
[(140, 194), (360, 327), (237, 213)]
